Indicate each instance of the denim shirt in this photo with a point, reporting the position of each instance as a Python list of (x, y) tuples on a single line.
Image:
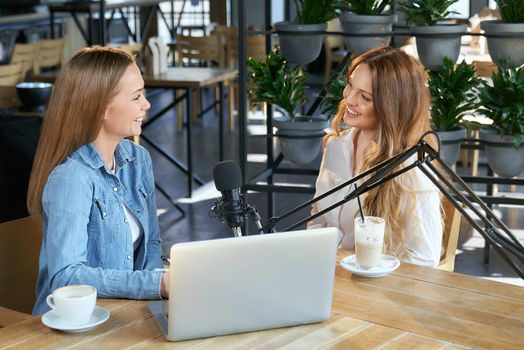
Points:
[(86, 237)]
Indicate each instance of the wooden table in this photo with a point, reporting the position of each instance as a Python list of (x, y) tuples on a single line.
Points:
[(412, 308)]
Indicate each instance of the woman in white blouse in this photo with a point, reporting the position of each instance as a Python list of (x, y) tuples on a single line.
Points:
[(384, 111)]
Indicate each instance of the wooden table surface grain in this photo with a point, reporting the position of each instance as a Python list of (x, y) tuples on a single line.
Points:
[(185, 77), (411, 308)]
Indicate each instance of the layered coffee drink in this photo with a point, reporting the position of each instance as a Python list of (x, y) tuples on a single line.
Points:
[(369, 241)]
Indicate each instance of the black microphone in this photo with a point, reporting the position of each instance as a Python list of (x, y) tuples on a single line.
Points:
[(231, 209)]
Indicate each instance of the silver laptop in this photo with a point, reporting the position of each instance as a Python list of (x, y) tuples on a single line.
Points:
[(250, 283)]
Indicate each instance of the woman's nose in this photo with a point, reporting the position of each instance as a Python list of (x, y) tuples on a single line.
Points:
[(147, 105), (349, 98)]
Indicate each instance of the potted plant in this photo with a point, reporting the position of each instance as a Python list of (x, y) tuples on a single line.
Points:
[(505, 39), (502, 101), (454, 91), (300, 40), (434, 40), (364, 17), (274, 81)]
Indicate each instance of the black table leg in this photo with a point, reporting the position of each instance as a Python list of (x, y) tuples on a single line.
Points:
[(90, 28), (189, 112), (221, 122), (102, 23), (52, 23)]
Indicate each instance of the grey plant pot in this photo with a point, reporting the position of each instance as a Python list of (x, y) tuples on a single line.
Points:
[(504, 48), (300, 48), (360, 24), (300, 140), (501, 154), (436, 42), (450, 144)]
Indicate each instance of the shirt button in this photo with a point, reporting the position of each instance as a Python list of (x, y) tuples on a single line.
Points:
[(125, 220), (104, 214), (115, 189), (129, 257)]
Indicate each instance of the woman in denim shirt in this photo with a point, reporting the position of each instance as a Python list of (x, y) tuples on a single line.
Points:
[(94, 189)]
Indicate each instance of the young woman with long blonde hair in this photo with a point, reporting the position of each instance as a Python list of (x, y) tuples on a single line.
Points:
[(385, 110), (93, 189)]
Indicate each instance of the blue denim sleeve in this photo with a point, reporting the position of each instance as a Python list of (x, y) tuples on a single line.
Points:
[(154, 243), (66, 203)]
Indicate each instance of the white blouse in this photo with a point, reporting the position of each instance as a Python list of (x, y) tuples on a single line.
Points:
[(423, 236)]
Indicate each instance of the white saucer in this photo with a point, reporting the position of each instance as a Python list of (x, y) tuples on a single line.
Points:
[(388, 264), (52, 320)]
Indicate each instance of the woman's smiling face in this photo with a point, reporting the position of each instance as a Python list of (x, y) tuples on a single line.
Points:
[(126, 110), (358, 100)]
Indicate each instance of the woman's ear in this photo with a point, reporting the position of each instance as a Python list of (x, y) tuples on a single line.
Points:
[(106, 112)]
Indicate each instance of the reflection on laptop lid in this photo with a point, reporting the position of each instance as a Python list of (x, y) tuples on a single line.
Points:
[(250, 283)]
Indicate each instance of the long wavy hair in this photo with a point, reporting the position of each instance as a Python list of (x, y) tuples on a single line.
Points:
[(401, 101), (81, 93)]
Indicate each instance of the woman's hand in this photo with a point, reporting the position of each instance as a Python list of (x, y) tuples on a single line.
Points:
[(164, 285)]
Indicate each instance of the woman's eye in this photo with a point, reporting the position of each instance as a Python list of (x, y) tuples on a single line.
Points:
[(137, 98), (366, 98)]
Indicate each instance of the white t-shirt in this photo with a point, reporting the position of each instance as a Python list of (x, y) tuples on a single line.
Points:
[(422, 239), (134, 225)]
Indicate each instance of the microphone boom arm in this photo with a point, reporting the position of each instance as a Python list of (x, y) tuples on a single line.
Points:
[(449, 183)]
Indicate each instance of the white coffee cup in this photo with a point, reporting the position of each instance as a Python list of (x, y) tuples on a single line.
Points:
[(74, 304), (369, 241)]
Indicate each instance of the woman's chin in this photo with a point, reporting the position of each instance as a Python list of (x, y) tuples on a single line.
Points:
[(351, 120)]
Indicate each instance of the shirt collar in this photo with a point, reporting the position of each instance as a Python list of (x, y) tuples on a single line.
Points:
[(347, 140), (89, 154)]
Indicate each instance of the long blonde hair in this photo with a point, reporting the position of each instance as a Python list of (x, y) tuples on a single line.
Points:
[(81, 93), (401, 102)]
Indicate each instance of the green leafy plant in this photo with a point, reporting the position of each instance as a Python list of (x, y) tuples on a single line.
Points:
[(426, 12), (454, 91), (511, 11), (334, 91), (275, 81), (317, 11), (503, 102), (368, 7)]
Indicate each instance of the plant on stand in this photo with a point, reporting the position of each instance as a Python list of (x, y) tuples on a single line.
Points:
[(364, 17), (434, 40), (276, 82), (505, 37), (454, 91), (300, 40), (502, 101)]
